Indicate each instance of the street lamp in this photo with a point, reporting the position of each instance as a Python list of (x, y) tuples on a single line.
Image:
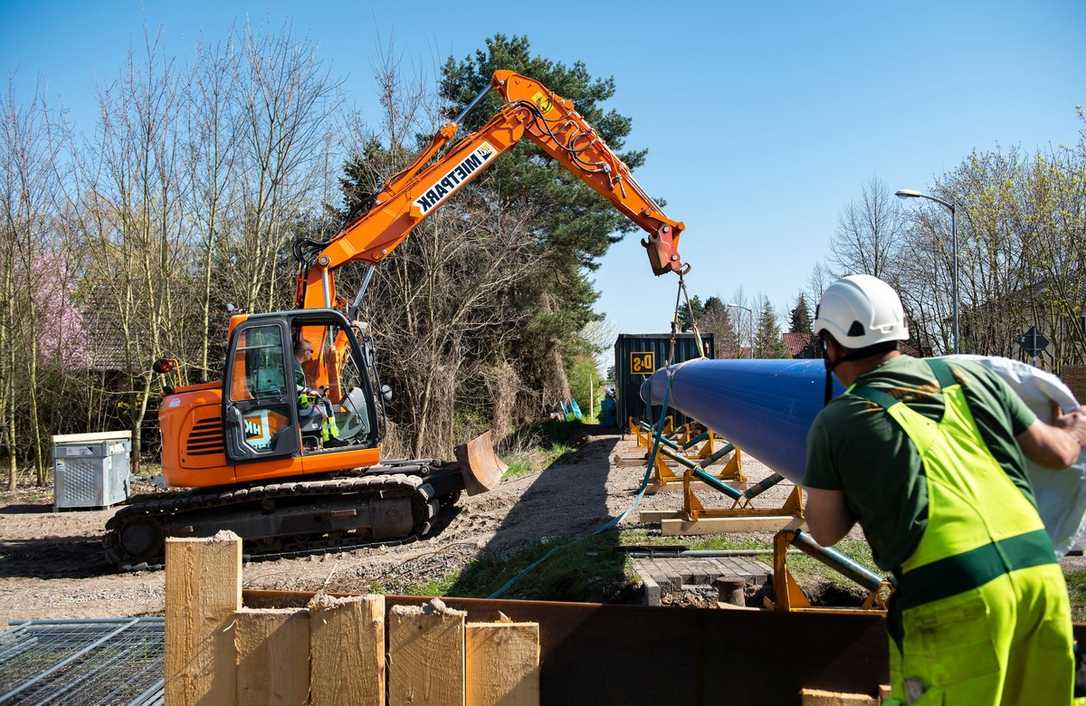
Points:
[(911, 194), (751, 312)]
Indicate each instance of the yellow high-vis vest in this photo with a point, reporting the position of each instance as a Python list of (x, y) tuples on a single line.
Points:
[(981, 614)]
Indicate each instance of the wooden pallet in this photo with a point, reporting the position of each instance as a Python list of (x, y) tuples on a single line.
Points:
[(334, 650)]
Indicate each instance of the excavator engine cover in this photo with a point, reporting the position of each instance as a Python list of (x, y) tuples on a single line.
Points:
[(480, 466)]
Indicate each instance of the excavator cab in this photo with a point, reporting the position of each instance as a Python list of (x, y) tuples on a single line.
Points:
[(298, 383)]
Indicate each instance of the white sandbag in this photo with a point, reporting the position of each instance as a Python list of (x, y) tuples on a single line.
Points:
[(1061, 495)]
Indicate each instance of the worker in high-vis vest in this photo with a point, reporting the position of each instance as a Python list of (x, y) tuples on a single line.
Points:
[(314, 407), (928, 456)]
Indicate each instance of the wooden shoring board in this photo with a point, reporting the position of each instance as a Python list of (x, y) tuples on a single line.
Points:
[(502, 664), (203, 591), (347, 650), (272, 647), (426, 655), (579, 642), (673, 572), (724, 525)]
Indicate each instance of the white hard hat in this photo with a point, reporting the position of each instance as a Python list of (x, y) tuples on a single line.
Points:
[(860, 311)]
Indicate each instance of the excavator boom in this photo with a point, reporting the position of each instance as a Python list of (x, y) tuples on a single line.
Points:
[(286, 449), (531, 110)]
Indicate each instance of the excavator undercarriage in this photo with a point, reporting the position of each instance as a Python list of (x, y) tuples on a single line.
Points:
[(394, 502)]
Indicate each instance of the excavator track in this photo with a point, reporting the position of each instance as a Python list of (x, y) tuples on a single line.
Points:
[(390, 504)]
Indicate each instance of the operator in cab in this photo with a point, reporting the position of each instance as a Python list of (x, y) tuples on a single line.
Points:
[(928, 456), (303, 352), (315, 412)]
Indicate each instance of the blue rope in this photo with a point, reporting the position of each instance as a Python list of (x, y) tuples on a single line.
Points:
[(613, 521)]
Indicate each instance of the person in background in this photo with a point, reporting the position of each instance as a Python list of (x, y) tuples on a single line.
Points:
[(607, 409)]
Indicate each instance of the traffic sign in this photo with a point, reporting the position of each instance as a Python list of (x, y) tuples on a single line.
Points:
[(1032, 342)]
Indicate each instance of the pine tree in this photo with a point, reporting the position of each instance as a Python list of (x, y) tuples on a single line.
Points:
[(801, 316), (767, 337), (716, 319), (686, 323), (575, 226)]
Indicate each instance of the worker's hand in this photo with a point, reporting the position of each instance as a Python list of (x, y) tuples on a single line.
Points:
[(1073, 422)]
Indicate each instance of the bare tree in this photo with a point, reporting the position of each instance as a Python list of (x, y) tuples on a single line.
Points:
[(820, 278), (286, 101), (212, 138), (135, 225), (29, 154), (869, 232)]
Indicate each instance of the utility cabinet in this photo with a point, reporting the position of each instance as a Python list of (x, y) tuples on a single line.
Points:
[(91, 470), (637, 357)]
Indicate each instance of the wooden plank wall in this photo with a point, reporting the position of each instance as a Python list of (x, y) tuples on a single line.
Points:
[(426, 655), (203, 591), (502, 664), (333, 651), (272, 656), (347, 650)]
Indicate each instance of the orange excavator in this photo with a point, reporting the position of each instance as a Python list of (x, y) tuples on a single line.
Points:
[(285, 450)]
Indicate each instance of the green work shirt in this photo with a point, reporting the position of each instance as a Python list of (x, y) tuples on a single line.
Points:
[(856, 447)]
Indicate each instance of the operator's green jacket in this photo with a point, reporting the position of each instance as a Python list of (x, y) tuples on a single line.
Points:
[(981, 614)]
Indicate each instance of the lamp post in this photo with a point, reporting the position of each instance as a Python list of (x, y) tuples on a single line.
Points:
[(911, 194), (751, 312)]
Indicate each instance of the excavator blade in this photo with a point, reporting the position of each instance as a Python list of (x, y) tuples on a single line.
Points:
[(480, 466)]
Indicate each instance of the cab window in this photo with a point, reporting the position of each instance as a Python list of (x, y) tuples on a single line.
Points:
[(259, 388)]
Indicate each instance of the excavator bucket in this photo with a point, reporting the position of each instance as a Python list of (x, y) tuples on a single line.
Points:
[(480, 466)]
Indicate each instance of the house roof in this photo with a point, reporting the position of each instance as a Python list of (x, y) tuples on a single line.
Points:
[(795, 342), (105, 340)]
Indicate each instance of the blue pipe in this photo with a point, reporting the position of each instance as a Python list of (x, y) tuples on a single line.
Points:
[(764, 407)]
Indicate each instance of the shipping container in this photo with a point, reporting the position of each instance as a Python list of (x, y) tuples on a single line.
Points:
[(638, 356)]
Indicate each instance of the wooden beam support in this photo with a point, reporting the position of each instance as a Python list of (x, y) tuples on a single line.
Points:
[(723, 525), (203, 591), (347, 650), (426, 655), (272, 647), (502, 664)]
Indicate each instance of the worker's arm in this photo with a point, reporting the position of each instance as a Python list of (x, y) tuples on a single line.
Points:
[(828, 516), (1056, 445)]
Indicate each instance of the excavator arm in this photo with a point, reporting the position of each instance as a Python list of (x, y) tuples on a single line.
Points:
[(531, 110)]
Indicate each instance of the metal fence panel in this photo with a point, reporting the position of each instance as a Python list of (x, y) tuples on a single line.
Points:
[(99, 661)]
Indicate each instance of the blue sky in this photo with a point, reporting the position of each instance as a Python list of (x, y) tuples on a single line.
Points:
[(762, 120)]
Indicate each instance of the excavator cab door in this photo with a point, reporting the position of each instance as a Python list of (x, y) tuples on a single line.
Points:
[(259, 418), (334, 364)]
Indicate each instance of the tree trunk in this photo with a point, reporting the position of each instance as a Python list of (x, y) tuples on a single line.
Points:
[(137, 423), (7, 394)]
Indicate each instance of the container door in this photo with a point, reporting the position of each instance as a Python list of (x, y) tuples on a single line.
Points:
[(258, 407)]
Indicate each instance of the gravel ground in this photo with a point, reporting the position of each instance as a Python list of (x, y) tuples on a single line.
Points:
[(51, 564)]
